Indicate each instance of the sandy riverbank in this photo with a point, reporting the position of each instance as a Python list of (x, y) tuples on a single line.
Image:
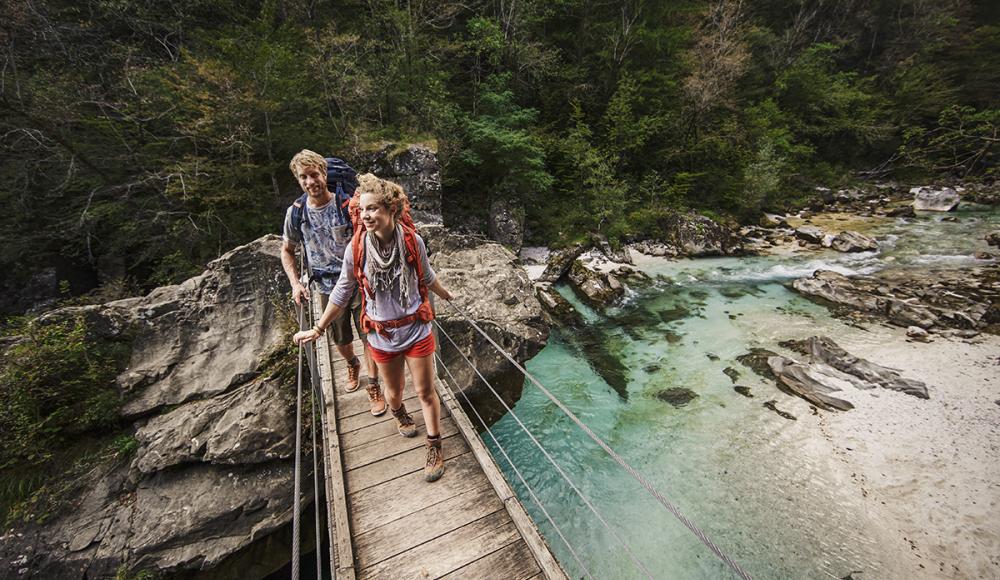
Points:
[(928, 469)]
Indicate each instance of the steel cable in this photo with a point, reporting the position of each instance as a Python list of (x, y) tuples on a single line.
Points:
[(516, 470), (611, 452), (551, 460)]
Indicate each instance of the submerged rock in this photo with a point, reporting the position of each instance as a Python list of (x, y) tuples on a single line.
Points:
[(732, 373), (676, 396), (773, 405), (928, 198), (993, 238), (745, 391)]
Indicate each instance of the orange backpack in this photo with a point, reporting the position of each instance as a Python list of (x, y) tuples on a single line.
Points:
[(424, 313)]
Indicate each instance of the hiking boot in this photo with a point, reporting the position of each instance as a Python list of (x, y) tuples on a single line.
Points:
[(434, 468), (376, 399), (404, 422), (353, 370)]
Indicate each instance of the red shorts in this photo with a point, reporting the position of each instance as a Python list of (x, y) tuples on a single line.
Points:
[(422, 348)]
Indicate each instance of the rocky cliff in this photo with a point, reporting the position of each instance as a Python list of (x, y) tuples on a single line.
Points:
[(210, 391)]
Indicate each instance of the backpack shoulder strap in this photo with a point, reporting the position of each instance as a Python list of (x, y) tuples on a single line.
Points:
[(299, 214)]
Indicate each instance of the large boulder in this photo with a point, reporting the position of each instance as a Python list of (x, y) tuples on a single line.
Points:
[(560, 261), (494, 291), (415, 167), (928, 198), (851, 241), (811, 234), (598, 288)]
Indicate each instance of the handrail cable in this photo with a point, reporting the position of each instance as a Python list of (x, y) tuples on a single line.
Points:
[(297, 487), (516, 470), (315, 394), (560, 470), (618, 459)]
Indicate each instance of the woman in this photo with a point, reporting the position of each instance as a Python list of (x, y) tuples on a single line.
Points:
[(396, 313)]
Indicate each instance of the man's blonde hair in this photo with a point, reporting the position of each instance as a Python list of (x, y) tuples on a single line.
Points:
[(388, 194), (307, 158)]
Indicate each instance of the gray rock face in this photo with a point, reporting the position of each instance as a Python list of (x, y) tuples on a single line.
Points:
[(416, 168), (206, 335), (851, 241), (495, 292), (507, 222), (934, 199), (210, 476), (252, 424)]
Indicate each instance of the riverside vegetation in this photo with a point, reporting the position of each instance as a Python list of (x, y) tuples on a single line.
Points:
[(141, 140)]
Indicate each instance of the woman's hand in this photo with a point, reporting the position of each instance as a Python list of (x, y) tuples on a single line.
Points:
[(305, 336), (440, 290)]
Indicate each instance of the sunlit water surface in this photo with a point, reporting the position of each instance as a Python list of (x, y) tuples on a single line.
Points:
[(763, 487)]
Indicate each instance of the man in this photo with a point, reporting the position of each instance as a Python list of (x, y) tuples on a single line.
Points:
[(325, 231)]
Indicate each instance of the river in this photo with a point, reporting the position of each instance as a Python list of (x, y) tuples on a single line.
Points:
[(650, 378)]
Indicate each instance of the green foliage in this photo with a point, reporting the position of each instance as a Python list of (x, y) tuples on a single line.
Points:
[(965, 141), (55, 384), (138, 143)]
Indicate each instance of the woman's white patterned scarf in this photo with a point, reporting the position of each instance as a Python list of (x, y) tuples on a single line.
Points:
[(388, 265)]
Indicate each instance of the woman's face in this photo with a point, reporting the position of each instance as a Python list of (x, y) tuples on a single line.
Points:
[(374, 215)]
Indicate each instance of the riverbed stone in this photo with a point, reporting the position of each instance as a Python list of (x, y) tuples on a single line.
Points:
[(928, 198), (993, 238), (851, 241), (811, 234), (598, 288)]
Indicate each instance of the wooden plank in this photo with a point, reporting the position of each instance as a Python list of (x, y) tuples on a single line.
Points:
[(390, 445), (375, 431), (399, 465), (392, 500), (342, 551), (525, 526), (449, 552), (513, 562), (363, 418), (426, 524)]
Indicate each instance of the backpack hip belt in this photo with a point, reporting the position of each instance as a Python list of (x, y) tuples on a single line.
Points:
[(382, 326)]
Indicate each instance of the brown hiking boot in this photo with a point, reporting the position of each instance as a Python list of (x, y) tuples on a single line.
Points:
[(404, 422), (376, 399), (434, 468), (353, 370)]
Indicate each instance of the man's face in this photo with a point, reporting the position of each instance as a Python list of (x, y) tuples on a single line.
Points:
[(312, 180)]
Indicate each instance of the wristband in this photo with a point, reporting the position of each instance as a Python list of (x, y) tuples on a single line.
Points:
[(318, 330)]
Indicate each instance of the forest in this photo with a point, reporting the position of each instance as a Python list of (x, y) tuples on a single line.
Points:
[(141, 139)]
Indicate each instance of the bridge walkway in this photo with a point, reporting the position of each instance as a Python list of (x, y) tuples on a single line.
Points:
[(387, 522)]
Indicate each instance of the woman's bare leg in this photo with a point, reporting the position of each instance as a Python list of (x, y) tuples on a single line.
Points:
[(391, 374), (422, 373)]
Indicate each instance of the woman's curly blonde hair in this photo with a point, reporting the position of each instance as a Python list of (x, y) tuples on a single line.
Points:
[(388, 194)]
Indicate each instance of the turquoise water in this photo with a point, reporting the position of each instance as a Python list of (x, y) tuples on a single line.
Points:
[(764, 487)]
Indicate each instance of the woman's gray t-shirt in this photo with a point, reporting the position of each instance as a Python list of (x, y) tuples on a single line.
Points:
[(387, 303)]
